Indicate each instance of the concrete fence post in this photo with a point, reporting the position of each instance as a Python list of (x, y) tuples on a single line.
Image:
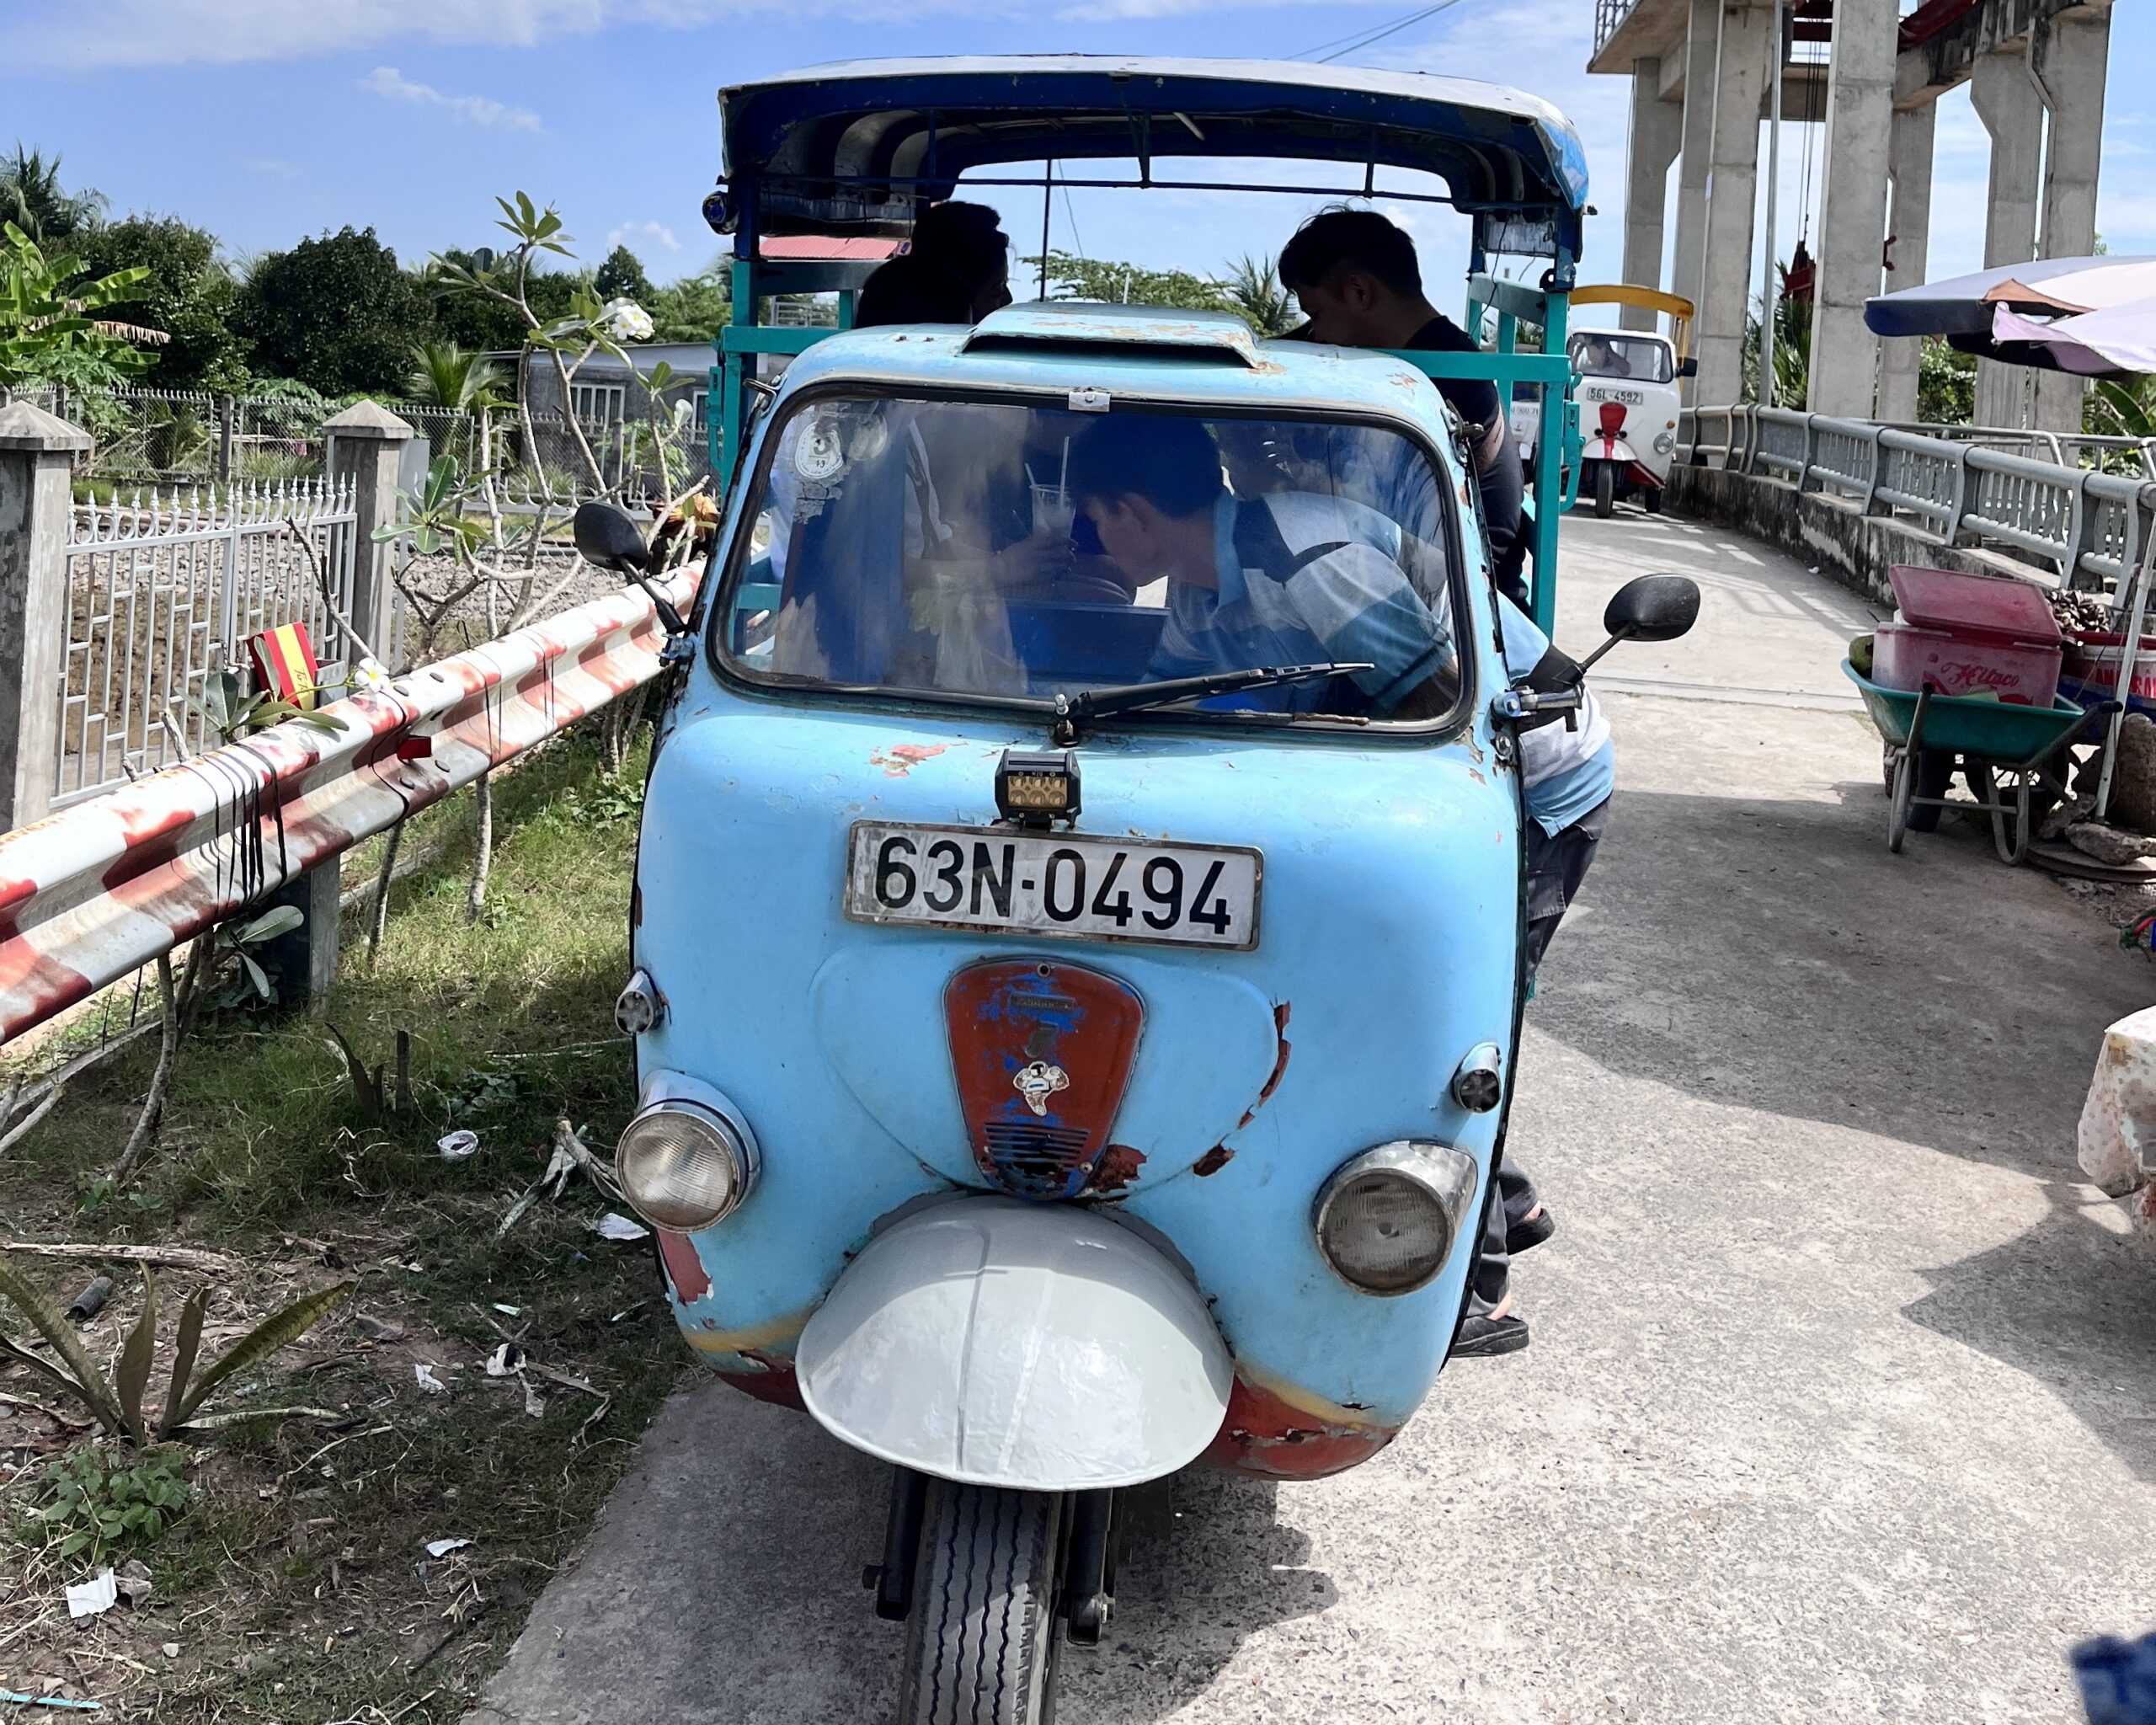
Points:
[(225, 428), (37, 459), (366, 441)]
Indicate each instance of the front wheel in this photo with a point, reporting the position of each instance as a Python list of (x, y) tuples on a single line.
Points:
[(983, 1635), (1605, 490)]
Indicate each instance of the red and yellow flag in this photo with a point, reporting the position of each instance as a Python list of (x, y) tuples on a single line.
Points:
[(285, 664)]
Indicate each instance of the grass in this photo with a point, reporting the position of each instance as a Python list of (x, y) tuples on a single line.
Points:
[(295, 1583)]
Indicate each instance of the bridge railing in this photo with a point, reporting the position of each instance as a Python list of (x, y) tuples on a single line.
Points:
[(2076, 526)]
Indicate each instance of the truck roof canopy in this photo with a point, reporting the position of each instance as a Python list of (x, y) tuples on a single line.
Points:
[(855, 147)]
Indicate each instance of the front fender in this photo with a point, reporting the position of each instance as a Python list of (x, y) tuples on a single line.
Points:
[(1041, 1346)]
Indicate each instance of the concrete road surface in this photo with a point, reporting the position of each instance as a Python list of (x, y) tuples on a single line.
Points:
[(1839, 1403)]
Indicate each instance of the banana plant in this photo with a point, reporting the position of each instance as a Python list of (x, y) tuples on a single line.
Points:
[(118, 1403)]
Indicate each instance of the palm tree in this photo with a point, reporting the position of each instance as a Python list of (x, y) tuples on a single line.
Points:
[(32, 198), (1254, 288), (447, 376)]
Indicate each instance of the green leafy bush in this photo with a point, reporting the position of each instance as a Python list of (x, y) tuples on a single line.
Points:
[(93, 1507)]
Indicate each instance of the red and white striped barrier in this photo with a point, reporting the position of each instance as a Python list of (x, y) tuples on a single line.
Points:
[(92, 893)]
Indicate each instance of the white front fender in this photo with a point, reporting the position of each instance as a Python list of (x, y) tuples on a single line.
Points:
[(1034, 1346)]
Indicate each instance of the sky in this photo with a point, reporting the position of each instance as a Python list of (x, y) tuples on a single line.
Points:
[(268, 120)]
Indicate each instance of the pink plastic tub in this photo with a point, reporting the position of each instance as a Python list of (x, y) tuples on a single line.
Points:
[(2025, 673)]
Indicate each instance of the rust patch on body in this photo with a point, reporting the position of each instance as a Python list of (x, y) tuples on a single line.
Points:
[(1267, 1434), (901, 758), (775, 1379), (1118, 1167), (684, 1269), (1214, 1160), (1279, 1063)]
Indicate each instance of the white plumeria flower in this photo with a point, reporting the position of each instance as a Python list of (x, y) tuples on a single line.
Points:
[(369, 674), (625, 320)]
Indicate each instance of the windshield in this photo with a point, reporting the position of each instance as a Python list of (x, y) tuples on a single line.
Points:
[(1001, 552), (1597, 354)]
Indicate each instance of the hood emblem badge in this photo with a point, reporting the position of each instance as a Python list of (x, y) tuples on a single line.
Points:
[(1039, 1081)]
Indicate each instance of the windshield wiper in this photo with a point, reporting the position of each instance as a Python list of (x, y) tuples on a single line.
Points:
[(1072, 711)]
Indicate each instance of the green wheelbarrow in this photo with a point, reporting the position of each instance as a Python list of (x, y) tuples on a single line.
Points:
[(2006, 752)]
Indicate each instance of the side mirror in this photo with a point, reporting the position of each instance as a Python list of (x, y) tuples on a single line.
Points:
[(608, 536), (1653, 608), (1688, 367)]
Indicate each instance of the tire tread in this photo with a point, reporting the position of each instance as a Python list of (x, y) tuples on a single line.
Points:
[(986, 1556)]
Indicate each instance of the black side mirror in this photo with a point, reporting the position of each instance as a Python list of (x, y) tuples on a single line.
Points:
[(1688, 367), (608, 536), (1653, 608)]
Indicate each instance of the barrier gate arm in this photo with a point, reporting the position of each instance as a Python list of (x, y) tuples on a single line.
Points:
[(99, 890)]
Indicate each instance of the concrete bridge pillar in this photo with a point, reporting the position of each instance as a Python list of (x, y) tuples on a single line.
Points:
[(1657, 130), (1908, 226), (2005, 98), (1746, 32), (2068, 56), (1853, 210), (1702, 40)]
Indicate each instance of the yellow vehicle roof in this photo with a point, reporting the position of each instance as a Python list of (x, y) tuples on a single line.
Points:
[(1675, 306)]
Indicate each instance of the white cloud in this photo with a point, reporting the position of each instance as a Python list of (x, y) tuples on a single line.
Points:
[(95, 35), (658, 231), (479, 111), (272, 166)]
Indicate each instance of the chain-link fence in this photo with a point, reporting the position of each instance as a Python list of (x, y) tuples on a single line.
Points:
[(150, 437)]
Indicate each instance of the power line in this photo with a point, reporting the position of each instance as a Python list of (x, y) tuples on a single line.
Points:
[(1356, 41)]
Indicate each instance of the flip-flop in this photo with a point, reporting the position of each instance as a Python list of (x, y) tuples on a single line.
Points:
[(1489, 1336), (1530, 1233)]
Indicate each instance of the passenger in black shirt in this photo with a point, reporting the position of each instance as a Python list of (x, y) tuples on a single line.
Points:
[(1356, 277)]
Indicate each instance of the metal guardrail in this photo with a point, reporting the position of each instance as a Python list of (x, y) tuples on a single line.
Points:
[(1609, 16), (93, 892), (2079, 526)]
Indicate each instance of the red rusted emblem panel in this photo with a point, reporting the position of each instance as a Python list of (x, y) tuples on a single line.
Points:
[(1042, 1053)]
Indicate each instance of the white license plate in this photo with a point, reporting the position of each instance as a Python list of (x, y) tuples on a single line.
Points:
[(1003, 881)]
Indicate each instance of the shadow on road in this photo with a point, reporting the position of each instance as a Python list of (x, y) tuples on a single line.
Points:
[(1185, 1605), (1770, 955)]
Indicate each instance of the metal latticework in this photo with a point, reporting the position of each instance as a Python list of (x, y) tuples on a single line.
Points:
[(163, 589)]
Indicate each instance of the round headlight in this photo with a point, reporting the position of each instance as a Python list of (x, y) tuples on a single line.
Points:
[(682, 1168), (1664, 443), (1387, 1220)]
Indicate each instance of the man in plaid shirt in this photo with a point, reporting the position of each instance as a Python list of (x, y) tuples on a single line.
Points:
[(1284, 578)]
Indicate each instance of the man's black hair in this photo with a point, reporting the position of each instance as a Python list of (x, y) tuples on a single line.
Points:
[(1169, 460), (1358, 239), (965, 238), (913, 290)]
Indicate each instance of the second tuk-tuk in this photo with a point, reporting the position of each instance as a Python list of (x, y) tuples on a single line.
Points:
[(1626, 387), (1079, 902)]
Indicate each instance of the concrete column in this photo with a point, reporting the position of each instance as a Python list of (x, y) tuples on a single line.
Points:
[(1697, 129), (1908, 162), (37, 457), (2068, 56), (1852, 209), (1741, 79), (366, 442), (1657, 130), (2005, 98)]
